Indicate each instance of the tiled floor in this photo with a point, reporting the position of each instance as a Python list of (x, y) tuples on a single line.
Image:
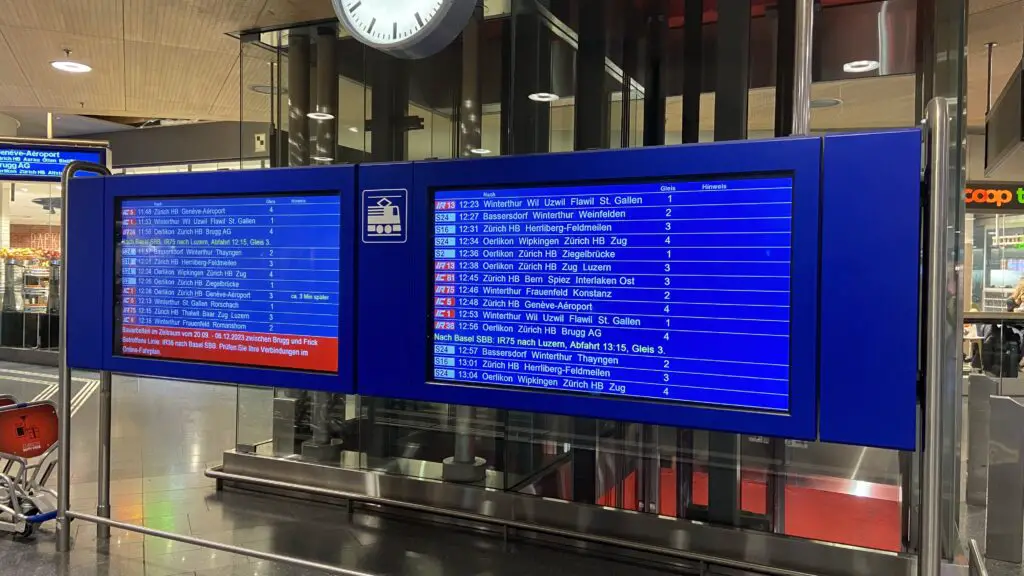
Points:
[(164, 435)]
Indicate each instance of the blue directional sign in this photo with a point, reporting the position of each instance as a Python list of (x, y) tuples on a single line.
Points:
[(42, 163)]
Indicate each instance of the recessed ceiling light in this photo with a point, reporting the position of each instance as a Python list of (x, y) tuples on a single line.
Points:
[(543, 97), (69, 65), (859, 66), (353, 129), (266, 89), (322, 159), (480, 151), (320, 116), (825, 102)]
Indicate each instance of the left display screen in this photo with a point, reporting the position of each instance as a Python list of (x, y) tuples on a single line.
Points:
[(42, 163), (241, 280)]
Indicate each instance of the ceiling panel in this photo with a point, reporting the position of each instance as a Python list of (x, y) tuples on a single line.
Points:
[(17, 96), (279, 12), (162, 108), (81, 99), (999, 22), (35, 49), (197, 24), (10, 70), (101, 18), (176, 74)]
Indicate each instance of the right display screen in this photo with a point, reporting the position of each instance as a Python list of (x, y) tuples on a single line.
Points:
[(673, 291)]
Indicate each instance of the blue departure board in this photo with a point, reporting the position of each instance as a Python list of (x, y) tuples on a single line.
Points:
[(243, 280), (677, 291), (21, 162)]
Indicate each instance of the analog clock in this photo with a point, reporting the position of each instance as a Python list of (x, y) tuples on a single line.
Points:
[(405, 28)]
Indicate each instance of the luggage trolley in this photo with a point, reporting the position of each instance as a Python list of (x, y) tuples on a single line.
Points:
[(28, 451)]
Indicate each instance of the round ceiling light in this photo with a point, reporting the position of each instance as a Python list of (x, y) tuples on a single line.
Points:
[(266, 89), (825, 102), (480, 151), (320, 116), (322, 159), (860, 66), (543, 97), (71, 66), (353, 129)]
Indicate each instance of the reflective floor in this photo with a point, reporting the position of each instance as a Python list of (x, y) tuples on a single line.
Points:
[(165, 434)]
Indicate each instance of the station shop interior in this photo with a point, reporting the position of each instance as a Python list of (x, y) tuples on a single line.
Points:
[(163, 87)]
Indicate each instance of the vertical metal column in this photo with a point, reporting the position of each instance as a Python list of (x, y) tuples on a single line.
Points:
[(298, 100), (389, 107), (103, 455), (654, 79), (939, 191), (630, 66), (989, 46), (733, 74), (693, 68), (526, 71), (798, 40), (591, 131), (591, 126), (63, 370), (654, 135), (464, 465), (470, 132), (693, 84), (802, 66), (326, 122), (785, 56), (64, 382)]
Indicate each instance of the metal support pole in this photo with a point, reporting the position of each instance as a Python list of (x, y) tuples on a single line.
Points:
[(931, 493), (654, 80), (470, 120), (325, 123), (63, 370), (103, 456), (526, 63), (731, 91), (988, 79), (693, 68), (650, 459), (591, 127), (298, 100), (802, 63), (464, 466)]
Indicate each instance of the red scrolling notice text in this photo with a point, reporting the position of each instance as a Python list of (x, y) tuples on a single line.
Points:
[(313, 353)]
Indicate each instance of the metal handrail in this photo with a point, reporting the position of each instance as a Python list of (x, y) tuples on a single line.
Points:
[(976, 562), (64, 372), (270, 556)]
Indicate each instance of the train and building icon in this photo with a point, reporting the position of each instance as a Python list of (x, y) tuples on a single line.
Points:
[(383, 219), (384, 215)]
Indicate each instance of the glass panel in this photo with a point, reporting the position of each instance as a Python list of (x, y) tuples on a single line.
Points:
[(528, 73)]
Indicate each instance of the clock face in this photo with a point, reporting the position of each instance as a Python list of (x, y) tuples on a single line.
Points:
[(388, 22), (405, 28)]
